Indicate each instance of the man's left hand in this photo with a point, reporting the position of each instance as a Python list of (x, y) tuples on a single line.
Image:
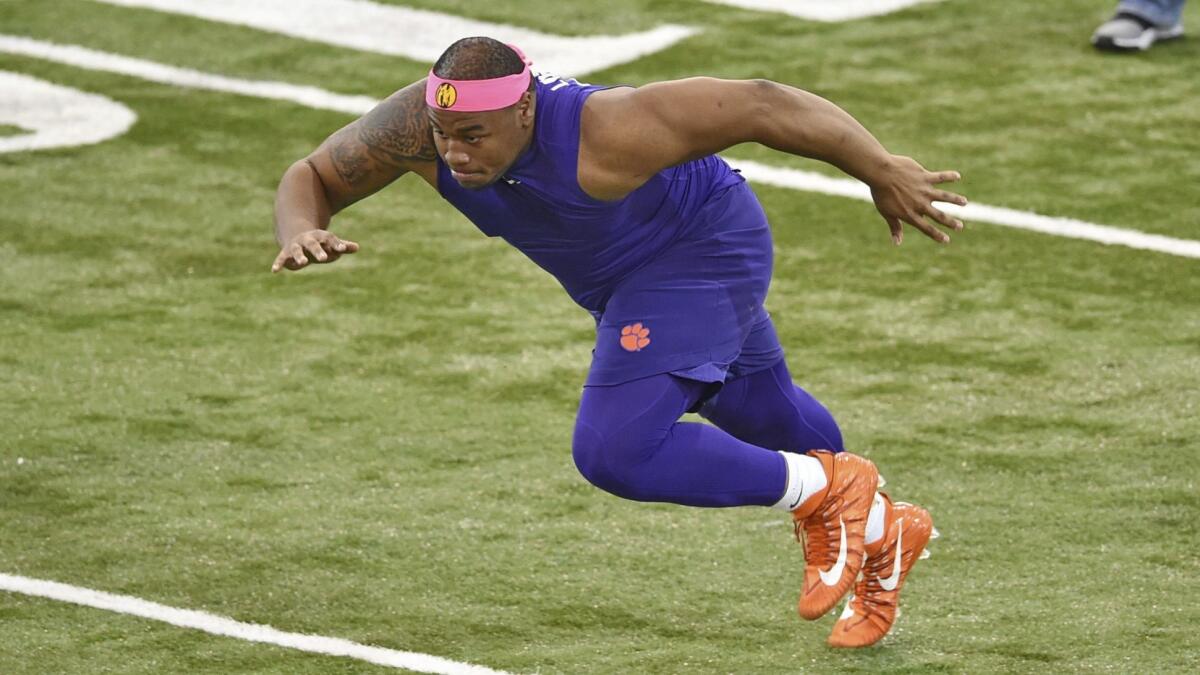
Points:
[(905, 193)]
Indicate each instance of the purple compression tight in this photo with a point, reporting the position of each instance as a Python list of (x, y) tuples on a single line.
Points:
[(628, 440)]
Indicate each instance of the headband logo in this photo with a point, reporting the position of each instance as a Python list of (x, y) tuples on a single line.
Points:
[(445, 95)]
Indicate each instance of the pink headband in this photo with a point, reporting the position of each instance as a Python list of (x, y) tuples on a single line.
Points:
[(478, 95)]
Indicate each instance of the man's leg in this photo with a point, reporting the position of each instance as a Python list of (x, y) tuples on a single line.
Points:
[(767, 409), (628, 441), (761, 405)]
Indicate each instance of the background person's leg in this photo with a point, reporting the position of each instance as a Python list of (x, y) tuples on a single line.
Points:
[(1157, 12), (1139, 24)]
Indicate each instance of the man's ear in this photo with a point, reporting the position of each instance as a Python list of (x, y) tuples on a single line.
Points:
[(525, 109)]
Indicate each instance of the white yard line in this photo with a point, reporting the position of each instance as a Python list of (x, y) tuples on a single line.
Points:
[(55, 116), (91, 59), (219, 625), (419, 34), (825, 10), (761, 173), (997, 215)]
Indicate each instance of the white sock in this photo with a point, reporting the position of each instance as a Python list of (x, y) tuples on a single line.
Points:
[(805, 478), (875, 521)]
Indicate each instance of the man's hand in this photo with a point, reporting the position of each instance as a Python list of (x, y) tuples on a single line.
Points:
[(905, 193), (318, 246)]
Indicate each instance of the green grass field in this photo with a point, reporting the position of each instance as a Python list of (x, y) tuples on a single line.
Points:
[(379, 450)]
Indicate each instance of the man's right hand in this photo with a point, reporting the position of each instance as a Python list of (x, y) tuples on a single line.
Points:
[(316, 246)]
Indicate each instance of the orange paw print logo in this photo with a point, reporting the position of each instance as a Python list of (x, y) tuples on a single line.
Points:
[(635, 338)]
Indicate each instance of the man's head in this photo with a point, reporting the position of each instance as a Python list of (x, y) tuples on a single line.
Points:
[(479, 144)]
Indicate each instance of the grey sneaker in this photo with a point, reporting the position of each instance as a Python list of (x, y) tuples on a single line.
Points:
[(1128, 32)]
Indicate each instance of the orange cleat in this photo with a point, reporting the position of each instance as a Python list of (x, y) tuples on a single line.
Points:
[(871, 611), (833, 522)]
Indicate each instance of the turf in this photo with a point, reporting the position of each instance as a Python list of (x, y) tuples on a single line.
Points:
[(380, 450)]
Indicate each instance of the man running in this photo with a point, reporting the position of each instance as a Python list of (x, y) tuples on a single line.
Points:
[(617, 192)]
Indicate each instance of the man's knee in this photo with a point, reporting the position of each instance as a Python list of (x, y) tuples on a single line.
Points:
[(586, 448), (621, 429), (609, 463)]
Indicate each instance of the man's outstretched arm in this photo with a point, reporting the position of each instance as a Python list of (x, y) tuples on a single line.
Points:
[(667, 123), (355, 162)]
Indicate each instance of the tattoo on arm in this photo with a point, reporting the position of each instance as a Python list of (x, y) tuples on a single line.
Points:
[(394, 135), (399, 132), (349, 159)]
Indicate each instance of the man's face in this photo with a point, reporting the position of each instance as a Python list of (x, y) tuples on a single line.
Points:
[(478, 147)]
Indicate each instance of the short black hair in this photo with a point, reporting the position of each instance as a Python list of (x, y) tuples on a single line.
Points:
[(477, 58)]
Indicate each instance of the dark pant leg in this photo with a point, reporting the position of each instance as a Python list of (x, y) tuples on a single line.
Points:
[(628, 441), (767, 409)]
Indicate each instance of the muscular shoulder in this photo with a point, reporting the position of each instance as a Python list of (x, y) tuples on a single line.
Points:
[(393, 137), (609, 138), (604, 114), (628, 134)]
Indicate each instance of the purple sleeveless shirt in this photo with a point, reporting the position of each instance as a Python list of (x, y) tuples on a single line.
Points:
[(587, 244)]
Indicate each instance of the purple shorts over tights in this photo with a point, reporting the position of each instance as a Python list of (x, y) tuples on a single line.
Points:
[(695, 311)]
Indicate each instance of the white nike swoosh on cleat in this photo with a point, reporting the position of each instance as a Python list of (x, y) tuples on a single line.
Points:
[(831, 576), (849, 611), (889, 584)]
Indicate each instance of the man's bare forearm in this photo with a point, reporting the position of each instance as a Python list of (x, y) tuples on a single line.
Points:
[(300, 203), (802, 123)]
